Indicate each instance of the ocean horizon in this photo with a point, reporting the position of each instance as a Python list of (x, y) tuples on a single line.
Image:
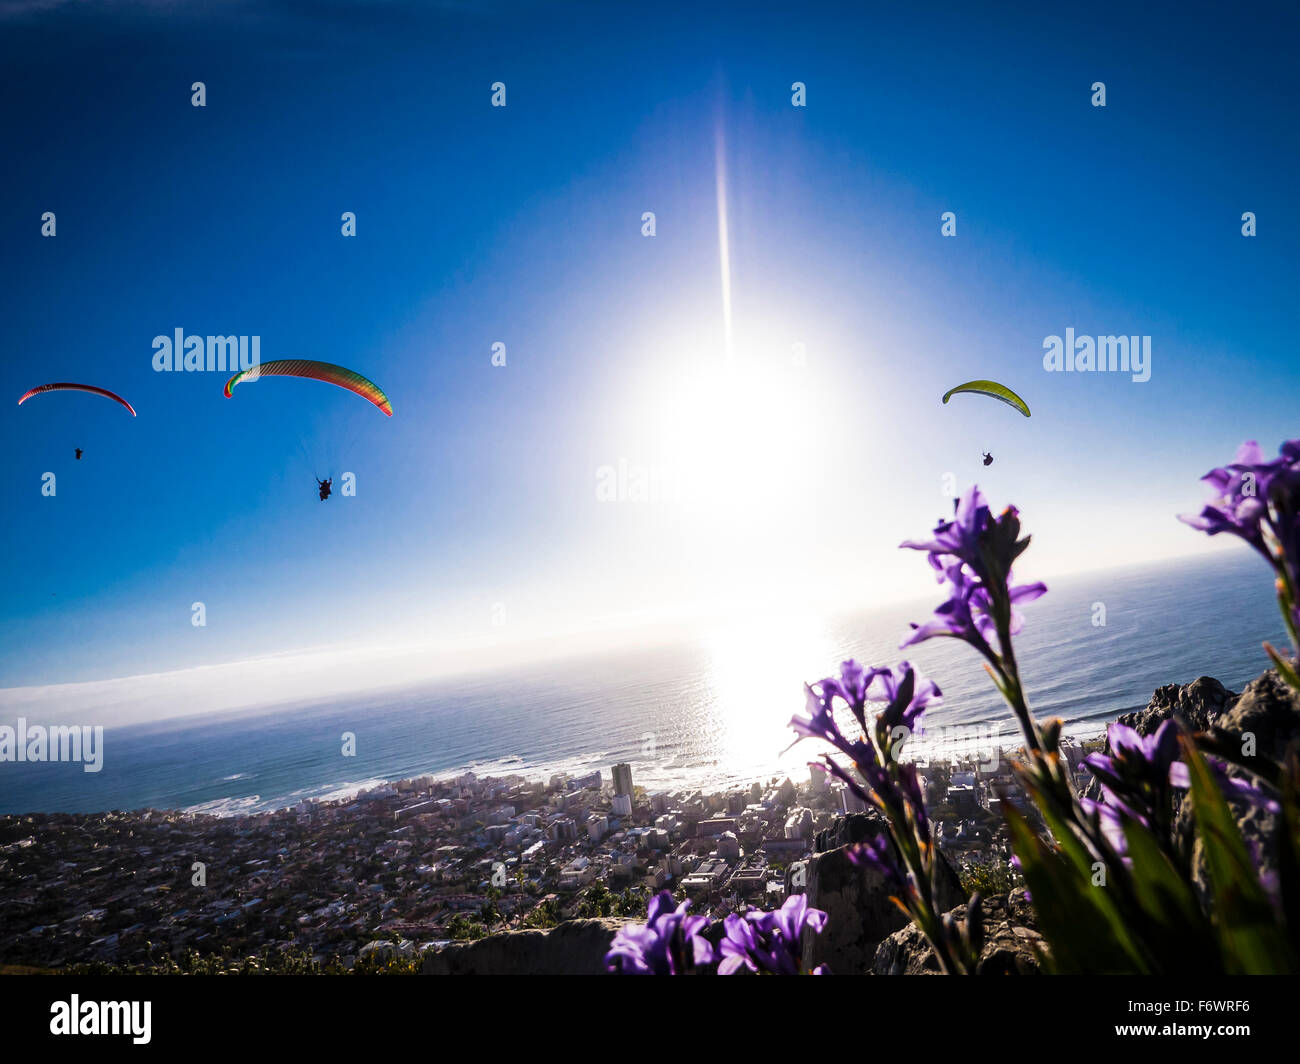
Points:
[(708, 711)]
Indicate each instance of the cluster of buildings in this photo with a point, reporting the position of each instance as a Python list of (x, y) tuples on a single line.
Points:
[(403, 863)]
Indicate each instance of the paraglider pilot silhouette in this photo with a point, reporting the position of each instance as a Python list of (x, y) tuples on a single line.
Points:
[(318, 371), (988, 458), (79, 452)]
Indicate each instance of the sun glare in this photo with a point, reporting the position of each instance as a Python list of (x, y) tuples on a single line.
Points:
[(755, 671)]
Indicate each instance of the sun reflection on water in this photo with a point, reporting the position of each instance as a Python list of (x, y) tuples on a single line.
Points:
[(757, 667)]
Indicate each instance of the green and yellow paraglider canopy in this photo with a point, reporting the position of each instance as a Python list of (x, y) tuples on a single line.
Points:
[(316, 371), (993, 390)]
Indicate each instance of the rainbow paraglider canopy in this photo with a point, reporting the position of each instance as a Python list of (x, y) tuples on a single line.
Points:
[(316, 371)]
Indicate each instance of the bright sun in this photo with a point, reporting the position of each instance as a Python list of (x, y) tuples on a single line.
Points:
[(737, 449)]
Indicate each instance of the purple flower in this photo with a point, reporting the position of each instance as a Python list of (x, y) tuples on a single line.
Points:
[(973, 555), (910, 786), (852, 686), (819, 723), (906, 694), (1109, 819), (1232, 786), (668, 943), (1259, 501), (1138, 777), (1135, 776), (903, 690), (1240, 502), (960, 537), (769, 943)]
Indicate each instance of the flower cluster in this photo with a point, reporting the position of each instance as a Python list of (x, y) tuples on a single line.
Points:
[(882, 780), (1137, 779), (905, 856), (1140, 774), (1152, 916), (671, 942), (973, 555), (1258, 500), (769, 943)]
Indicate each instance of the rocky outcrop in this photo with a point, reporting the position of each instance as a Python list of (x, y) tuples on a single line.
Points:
[(575, 947), (855, 827), (1267, 709), (1011, 942), (858, 909), (1197, 705)]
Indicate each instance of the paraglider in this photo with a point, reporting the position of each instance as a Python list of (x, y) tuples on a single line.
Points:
[(993, 390), (988, 458), (340, 376), (63, 386), (317, 371), (78, 454)]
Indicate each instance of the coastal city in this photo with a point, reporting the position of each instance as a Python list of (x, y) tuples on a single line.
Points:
[(402, 868)]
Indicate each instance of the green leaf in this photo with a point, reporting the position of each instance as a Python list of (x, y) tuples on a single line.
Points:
[(1249, 936), (1081, 935), (1084, 862), (1285, 667), (1174, 928), (1288, 849)]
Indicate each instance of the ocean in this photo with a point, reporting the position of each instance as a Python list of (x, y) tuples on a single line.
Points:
[(710, 709)]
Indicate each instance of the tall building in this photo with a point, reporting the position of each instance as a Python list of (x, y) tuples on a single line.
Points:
[(850, 802), (623, 778)]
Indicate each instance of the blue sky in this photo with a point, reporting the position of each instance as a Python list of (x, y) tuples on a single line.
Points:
[(522, 224)]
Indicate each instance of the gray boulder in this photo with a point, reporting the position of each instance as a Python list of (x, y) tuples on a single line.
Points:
[(1267, 709), (1011, 942), (854, 827), (1197, 705), (575, 947)]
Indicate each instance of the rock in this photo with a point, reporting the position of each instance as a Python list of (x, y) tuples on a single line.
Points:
[(859, 912), (855, 827), (575, 947), (1197, 704), (1269, 710), (1011, 942)]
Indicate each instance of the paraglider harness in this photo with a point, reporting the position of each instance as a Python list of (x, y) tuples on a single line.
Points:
[(325, 487)]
